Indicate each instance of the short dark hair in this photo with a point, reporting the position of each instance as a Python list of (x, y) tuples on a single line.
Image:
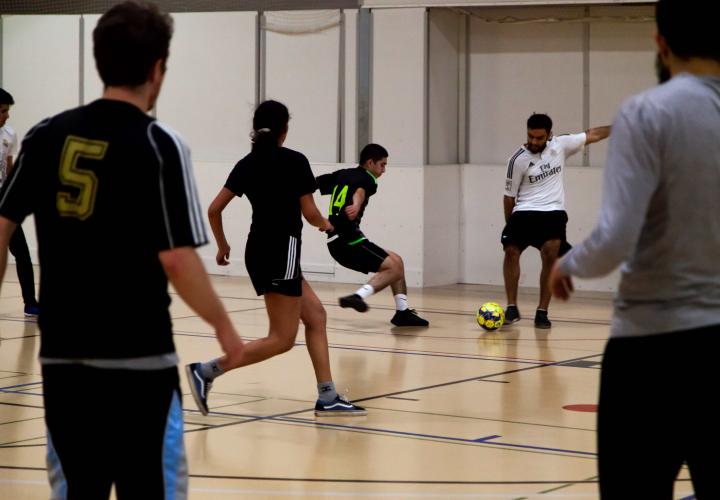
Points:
[(689, 27), (269, 123), (5, 97), (538, 120), (128, 40), (374, 152)]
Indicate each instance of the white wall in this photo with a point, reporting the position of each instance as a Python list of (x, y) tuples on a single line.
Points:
[(621, 63), (209, 89), (302, 73), (350, 105), (42, 77), (518, 69), (441, 225), (398, 84), (443, 85)]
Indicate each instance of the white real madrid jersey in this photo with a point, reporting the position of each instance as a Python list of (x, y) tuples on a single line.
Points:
[(536, 180), (8, 147)]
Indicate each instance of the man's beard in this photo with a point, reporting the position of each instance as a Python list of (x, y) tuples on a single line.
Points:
[(661, 70)]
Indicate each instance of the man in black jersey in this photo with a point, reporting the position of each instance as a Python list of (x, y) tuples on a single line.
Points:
[(350, 191), (117, 216)]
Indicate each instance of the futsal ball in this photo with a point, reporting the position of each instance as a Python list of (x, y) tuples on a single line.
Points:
[(490, 316)]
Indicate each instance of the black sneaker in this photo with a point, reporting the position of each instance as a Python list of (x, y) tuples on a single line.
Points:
[(512, 314), (541, 319), (199, 386), (408, 317), (338, 407), (354, 301), (31, 311)]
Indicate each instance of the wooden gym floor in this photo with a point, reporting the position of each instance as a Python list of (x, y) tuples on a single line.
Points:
[(453, 412)]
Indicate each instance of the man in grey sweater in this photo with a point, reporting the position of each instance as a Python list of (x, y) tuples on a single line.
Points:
[(660, 218)]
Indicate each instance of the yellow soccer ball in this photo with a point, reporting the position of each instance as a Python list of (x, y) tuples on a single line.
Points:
[(490, 316)]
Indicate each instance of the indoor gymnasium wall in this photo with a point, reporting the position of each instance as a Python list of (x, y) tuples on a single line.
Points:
[(449, 97)]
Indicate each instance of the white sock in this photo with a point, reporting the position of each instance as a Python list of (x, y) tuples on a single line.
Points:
[(401, 302), (365, 291)]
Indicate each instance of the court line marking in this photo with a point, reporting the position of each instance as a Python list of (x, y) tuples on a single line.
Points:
[(516, 422), (487, 440), (21, 420), (21, 405)]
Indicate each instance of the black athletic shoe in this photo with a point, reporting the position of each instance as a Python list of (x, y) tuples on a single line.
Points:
[(511, 314), (541, 320), (354, 301), (408, 317), (199, 386), (31, 311), (338, 407)]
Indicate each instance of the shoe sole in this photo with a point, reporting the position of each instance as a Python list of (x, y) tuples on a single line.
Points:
[(543, 327), (196, 396), (341, 413), (406, 326), (359, 307)]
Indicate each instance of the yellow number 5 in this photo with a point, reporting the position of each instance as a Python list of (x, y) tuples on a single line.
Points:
[(81, 203)]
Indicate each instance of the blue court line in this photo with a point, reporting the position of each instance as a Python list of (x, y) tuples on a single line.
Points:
[(8, 390), (21, 385), (485, 440), (21, 392)]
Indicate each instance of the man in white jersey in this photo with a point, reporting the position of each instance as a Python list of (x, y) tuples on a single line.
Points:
[(18, 244), (660, 218), (534, 205)]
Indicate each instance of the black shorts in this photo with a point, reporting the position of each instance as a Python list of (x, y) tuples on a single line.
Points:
[(362, 256), (534, 228), (107, 426), (653, 414), (274, 265)]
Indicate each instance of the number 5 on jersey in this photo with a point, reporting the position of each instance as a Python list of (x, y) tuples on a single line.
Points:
[(337, 202), (81, 204)]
